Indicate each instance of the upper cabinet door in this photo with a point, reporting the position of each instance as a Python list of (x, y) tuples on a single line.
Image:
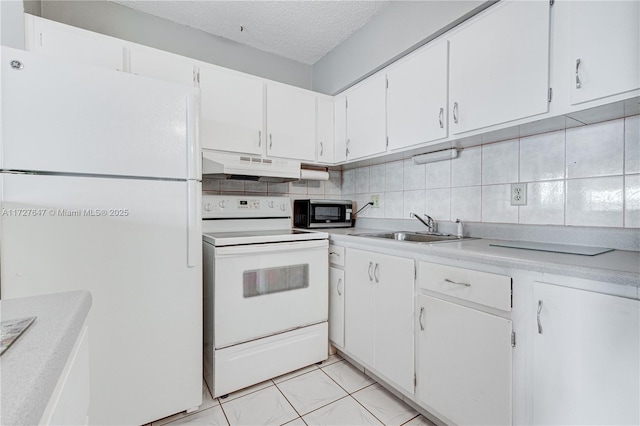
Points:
[(75, 45), (162, 65), (499, 66), (291, 123), (605, 49), (231, 112), (325, 130), (366, 118), (340, 128), (417, 98)]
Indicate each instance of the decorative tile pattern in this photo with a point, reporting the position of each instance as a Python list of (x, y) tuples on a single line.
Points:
[(382, 404), (209, 417), (595, 150), (347, 376), (500, 162), (466, 170), (542, 157), (311, 391), (345, 411), (595, 202), (264, 407)]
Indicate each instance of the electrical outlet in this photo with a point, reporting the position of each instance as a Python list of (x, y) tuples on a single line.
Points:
[(518, 194), (375, 199)]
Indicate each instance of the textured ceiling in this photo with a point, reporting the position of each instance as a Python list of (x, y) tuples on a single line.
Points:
[(301, 30)]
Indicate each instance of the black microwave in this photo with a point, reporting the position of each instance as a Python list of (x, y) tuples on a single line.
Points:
[(322, 213)]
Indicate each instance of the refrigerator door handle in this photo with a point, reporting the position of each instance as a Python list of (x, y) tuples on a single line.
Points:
[(194, 223), (194, 156)]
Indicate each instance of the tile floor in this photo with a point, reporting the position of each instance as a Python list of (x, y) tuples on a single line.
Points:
[(333, 393)]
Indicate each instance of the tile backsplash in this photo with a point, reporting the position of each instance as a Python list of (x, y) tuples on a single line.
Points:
[(585, 176)]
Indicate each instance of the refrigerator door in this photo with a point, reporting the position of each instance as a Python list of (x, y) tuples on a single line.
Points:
[(126, 241), (64, 117)]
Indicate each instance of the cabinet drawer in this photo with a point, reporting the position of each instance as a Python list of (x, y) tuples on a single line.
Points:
[(336, 255), (475, 286)]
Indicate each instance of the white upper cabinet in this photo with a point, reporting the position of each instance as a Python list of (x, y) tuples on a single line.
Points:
[(366, 118), (291, 122), (161, 65), (417, 97), (73, 44), (231, 111), (325, 130), (586, 357), (340, 128), (605, 49), (499, 66)]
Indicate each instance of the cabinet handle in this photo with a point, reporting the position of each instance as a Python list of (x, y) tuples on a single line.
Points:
[(259, 138), (539, 322), (270, 140), (578, 82), (420, 318), (447, 280), (370, 266), (441, 118), (333, 253), (455, 112), (321, 148), (338, 287), (375, 272)]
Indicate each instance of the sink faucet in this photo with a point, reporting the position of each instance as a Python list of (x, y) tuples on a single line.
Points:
[(429, 223)]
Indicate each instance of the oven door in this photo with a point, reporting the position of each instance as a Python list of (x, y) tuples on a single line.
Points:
[(264, 289)]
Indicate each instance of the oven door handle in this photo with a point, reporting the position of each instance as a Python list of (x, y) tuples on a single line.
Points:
[(258, 249)]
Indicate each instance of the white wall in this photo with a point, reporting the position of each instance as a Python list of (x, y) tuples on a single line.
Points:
[(12, 23), (398, 29), (122, 22)]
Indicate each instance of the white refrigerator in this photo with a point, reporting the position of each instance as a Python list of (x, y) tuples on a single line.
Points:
[(100, 189)]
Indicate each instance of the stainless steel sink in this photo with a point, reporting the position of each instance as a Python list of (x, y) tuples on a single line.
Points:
[(414, 237)]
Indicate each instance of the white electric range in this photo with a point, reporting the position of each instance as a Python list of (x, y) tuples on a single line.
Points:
[(265, 292)]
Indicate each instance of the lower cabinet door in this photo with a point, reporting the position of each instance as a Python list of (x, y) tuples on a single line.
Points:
[(336, 306), (586, 357), (465, 364)]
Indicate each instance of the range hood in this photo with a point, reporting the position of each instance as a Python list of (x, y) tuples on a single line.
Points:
[(220, 165)]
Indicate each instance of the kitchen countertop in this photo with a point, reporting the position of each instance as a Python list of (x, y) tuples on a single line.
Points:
[(617, 267), (32, 366)]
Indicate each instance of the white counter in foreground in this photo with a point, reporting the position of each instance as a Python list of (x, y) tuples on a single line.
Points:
[(44, 374)]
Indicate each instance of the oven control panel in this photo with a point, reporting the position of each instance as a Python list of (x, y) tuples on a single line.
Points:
[(233, 206)]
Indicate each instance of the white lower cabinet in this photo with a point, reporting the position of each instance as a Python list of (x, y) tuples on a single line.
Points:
[(336, 306), (379, 321), (464, 347), (586, 357), (464, 366)]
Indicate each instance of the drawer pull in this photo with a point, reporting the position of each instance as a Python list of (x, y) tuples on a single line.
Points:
[(375, 272), (420, 318), (539, 322), (370, 266), (338, 286), (334, 253), (447, 280)]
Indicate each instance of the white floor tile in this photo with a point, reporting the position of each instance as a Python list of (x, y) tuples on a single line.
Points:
[(345, 411), (207, 402), (347, 376), (265, 407), (419, 421), (332, 359), (311, 391), (296, 422), (212, 416), (386, 407), (246, 391), (296, 373)]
